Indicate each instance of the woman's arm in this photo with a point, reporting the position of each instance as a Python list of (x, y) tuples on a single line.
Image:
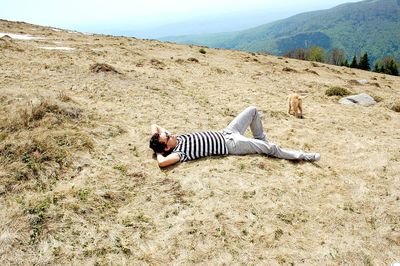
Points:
[(171, 159), (157, 129)]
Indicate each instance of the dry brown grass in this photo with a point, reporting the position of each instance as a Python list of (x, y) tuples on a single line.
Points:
[(337, 91), (7, 43), (79, 185), (395, 106), (101, 67), (36, 151), (38, 143), (46, 113), (64, 97)]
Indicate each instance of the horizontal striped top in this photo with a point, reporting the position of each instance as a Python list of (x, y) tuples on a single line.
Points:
[(200, 144)]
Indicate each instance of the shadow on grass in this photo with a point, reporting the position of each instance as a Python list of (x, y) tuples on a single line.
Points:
[(208, 158)]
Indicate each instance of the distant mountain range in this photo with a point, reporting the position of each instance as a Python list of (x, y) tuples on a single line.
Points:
[(371, 26)]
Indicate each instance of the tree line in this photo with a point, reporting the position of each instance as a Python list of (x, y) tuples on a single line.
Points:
[(387, 65)]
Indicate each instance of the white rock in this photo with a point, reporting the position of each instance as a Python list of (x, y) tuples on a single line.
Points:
[(57, 48), (20, 36), (362, 81), (361, 99)]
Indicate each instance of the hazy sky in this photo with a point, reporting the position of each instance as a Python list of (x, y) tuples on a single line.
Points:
[(139, 15)]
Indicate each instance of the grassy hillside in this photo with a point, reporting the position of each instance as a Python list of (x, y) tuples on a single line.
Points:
[(371, 26), (79, 185)]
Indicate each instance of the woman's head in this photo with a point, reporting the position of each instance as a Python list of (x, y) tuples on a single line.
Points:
[(160, 143)]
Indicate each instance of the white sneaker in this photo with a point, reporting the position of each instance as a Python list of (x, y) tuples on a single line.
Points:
[(312, 157)]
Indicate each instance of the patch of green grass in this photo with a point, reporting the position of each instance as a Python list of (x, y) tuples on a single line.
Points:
[(120, 245), (249, 194), (56, 251), (286, 217), (220, 232), (83, 194), (337, 91), (141, 217), (349, 207), (3, 136), (134, 150), (122, 168), (38, 216), (368, 260)]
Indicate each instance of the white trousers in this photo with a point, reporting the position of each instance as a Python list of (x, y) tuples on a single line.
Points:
[(238, 144)]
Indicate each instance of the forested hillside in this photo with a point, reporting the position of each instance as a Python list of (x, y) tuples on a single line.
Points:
[(371, 26)]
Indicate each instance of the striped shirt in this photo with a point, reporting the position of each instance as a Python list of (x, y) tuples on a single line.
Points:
[(200, 144)]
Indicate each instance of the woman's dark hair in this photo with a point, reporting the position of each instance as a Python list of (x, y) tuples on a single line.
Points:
[(156, 145)]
